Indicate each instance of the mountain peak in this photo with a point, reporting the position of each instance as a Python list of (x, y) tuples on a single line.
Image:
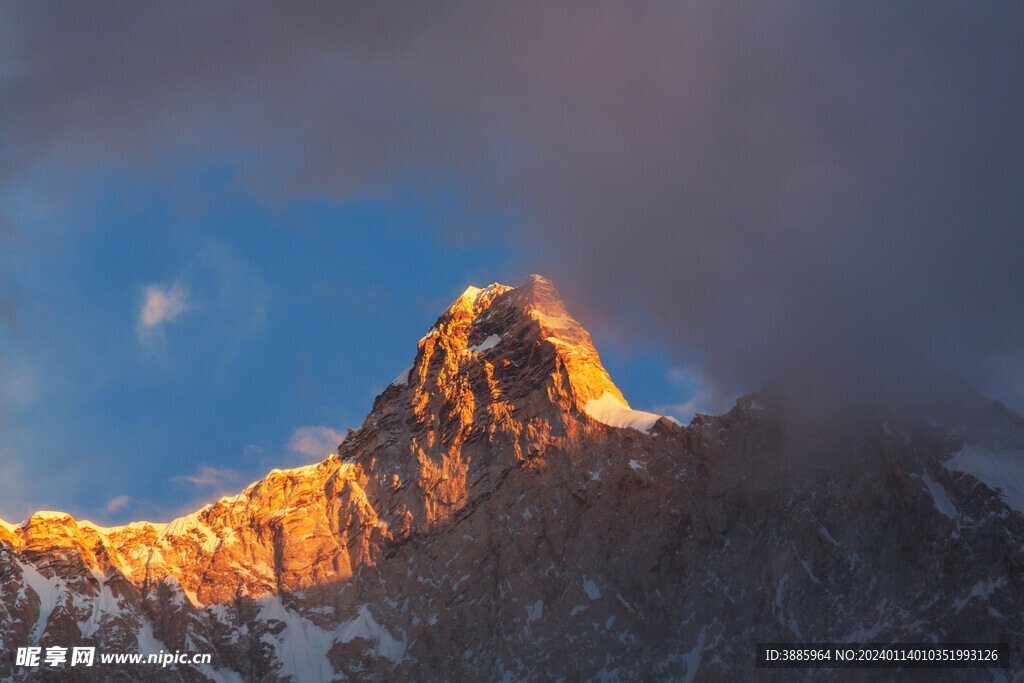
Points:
[(522, 337), (503, 375)]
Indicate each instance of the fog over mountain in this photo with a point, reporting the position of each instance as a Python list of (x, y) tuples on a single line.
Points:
[(822, 196)]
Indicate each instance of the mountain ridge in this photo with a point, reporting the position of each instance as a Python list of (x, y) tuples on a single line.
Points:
[(539, 301), (483, 508)]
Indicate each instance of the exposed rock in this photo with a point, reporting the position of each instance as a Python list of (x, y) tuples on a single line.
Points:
[(494, 518)]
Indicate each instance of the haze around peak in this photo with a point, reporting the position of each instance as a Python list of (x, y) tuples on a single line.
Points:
[(217, 221)]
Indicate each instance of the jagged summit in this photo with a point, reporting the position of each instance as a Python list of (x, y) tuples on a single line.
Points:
[(502, 375), (509, 343), (473, 300)]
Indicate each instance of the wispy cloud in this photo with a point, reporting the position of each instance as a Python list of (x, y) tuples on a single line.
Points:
[(314, 443), (224, 294), (117, 503), (211, 477), (705, 396), (160, 305)]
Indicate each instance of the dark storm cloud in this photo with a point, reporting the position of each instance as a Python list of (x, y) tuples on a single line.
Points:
[(819, 195)]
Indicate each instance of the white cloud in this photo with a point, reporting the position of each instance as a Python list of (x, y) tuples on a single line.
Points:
[(225, 297), (117, 503), (160, 305), (211, 477), (314, 443)]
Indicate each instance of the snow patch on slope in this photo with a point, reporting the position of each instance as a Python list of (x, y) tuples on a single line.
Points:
[(366, 627), (183, 525), (104, 530), (982, 589), (486, 344), (302, 647), (942, 501), (49, 592), (824, 532), (105, 607), (610, 411), (403, 378), (692, 658), (179, 590), (1000, 470), (49, 514), (148, 643)]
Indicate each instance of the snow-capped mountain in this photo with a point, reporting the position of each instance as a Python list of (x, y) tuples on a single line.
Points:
[(503, 514)]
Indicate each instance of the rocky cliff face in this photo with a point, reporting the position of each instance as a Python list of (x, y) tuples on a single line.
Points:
[(503, 514)]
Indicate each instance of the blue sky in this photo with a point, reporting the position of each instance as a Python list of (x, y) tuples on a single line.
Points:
[(176, 338)]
